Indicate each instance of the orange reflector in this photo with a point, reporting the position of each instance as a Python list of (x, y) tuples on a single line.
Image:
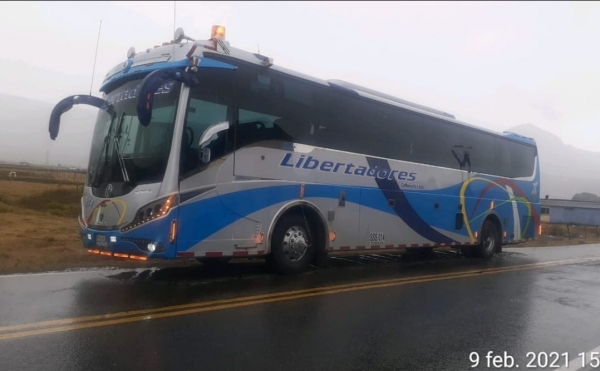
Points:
[(540, 230), (106, 253), (138, 257), (331, 236), (260, 238), (173, 232), (121, 255), (94, 251)]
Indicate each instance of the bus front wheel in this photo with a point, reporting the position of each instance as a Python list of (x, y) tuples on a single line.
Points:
[(292, 245)]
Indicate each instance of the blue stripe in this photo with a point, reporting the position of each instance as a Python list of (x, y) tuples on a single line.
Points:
[(139, 70), (201, 219), (403, 208), (143, 69)]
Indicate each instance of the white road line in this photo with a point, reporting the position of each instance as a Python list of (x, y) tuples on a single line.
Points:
[(575, 364), (89, 271)]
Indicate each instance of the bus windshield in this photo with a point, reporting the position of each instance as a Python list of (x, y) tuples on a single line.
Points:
[(125, 153)]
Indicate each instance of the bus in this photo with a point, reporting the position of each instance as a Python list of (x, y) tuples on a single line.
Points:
[(201, 150)]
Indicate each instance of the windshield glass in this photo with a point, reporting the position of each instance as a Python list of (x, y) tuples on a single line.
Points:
[(125, 153)]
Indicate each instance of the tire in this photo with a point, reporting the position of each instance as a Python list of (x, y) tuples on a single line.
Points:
[(292, 248), (490, 240)]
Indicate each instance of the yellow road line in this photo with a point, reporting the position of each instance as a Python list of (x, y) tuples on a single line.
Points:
[(69, 324)]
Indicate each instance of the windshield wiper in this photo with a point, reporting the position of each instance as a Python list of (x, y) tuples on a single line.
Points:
[(119, 153), (104, 149), (121, 161), (99, 163)]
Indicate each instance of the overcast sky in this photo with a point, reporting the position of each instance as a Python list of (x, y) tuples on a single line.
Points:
[(495, 65)]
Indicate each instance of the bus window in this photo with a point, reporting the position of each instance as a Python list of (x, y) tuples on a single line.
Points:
[(272, 107)]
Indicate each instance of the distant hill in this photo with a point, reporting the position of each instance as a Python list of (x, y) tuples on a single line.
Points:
[(565, 170), (585, 196)]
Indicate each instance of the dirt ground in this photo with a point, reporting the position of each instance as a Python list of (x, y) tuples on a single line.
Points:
[(38, 231)]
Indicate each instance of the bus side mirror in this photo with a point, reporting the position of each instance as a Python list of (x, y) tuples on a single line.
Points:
[(66, 104), (151, 83)]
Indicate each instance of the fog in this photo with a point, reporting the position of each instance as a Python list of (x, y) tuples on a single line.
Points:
[(493, 64)]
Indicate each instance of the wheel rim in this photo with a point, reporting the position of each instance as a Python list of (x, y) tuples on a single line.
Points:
[(295, 243), (488, 241)]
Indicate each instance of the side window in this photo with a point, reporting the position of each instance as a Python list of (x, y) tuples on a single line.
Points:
[(372, 130), (406, 129), (209, 103), (273, 106), (501, 160), (335, 126), (200, 115), (522, 160)]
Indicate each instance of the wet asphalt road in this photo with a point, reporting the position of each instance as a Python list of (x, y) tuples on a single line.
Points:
[(377, 313)]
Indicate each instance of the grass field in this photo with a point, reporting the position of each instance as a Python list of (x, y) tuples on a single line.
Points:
[(38, 229)]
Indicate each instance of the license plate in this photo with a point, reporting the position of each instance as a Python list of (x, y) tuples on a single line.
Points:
[(101, 241)]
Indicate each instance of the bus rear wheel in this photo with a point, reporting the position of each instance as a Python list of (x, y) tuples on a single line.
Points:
[(490, 239), (490, 242), (292, 247)]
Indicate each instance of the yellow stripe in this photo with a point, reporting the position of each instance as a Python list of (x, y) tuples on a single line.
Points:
[(466, 220), (70, 324)]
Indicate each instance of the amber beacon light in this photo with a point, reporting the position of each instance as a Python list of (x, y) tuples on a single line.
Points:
[(217, 32)]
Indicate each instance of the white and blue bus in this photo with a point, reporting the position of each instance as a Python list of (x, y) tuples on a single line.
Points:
[(201, 150)]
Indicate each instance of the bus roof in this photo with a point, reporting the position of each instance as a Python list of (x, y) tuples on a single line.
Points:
[(179, 54)]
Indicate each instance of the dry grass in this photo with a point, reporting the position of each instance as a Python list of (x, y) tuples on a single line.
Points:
[(38, 226), (559, 235)]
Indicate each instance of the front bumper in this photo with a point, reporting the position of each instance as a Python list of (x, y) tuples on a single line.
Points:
[(133, 243)]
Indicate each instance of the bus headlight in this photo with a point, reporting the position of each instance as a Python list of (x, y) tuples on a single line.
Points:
[(152, 211)]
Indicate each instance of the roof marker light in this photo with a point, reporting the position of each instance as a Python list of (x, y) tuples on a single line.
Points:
[(131, 53), (217, 32)]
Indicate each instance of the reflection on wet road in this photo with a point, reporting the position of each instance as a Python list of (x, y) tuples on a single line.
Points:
[(363, 312)]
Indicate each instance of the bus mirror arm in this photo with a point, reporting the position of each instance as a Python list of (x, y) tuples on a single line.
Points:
[(68, 103), (207, 136), (149, 85)]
